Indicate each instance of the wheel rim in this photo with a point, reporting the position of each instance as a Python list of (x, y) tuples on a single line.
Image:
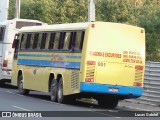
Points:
[(60, 91), (21, 86), (53, 90)]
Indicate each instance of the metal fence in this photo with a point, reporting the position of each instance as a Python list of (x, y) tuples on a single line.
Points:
[(151, 92)]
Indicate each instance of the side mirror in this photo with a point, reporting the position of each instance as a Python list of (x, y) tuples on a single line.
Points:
[(15, 41), (14, 45)]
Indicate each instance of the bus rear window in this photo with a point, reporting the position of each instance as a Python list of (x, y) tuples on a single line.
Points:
[(20, 24)]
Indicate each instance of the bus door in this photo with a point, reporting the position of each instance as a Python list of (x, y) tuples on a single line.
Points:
[(0, 58), (2, 33), (15, 45), (0, 54)]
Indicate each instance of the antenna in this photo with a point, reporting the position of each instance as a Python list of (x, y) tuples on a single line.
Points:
[(91, 10), (17, 9)]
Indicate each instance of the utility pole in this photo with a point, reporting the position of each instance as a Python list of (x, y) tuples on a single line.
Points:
[(17, 9), (91, 10), (4, 4)]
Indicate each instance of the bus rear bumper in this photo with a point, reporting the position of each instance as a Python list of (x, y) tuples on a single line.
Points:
[(131, 92)]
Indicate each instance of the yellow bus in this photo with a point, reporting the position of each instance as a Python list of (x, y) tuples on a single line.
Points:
[(102, 60)]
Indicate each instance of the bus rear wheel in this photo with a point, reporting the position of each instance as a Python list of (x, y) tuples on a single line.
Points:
[(20, 86), (60, 97), (108, 102), (53, 90)]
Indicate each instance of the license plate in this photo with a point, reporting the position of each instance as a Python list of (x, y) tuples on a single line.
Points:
[(113, 89)]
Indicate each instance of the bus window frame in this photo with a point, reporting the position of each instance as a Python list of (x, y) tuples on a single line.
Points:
[(17, 45), (31, 35), (40, 34), (81, 40), (43, 41), (21, 40), (52, 39), (28, 41), (71, 35), (59, 41)]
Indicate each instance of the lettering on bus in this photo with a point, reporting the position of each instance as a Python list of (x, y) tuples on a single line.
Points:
[(56, 58), (105, 54), (132, 57)]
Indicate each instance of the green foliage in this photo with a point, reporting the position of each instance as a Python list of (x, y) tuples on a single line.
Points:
[(52, 11), (143, 13), (11, 11)]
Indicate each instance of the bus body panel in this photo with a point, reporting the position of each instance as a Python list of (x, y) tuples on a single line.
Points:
[(37, 67), (115, 55), (6, 50), (112, 61)]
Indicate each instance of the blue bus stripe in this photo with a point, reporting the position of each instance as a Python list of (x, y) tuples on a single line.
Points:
[(104, 88), (61, 64)]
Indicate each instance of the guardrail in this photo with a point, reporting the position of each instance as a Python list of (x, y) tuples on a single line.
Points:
[(151, 92)]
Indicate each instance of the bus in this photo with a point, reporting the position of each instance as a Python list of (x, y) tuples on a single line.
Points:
[(8, 29), (100, 60)]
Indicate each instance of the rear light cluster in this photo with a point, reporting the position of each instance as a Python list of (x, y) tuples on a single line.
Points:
[(5, 63), (142, 31), (93, 25), (137, 84), (89, 80), (138, 75), (139, 67), (90, 71), (91, 63)]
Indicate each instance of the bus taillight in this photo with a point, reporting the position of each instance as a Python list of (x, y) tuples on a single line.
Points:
[(139, 67), (91, 63), (89, 80), (138, 84), (93, 25), (5, 63), (142, 31)]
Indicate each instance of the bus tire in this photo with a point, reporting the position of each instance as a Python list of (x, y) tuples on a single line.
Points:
[(20, 86), (108, 102), (53, 90), (2, 83), (60, 97)]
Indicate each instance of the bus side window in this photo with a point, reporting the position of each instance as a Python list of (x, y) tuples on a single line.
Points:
[(77, 41), (51, 42), (82, 40), (44, 35), (23, 41), (61, 40), (28, 41), (56, 40), (35, 40), (67, 40), (47, 40), (39, 42), (31, 41)]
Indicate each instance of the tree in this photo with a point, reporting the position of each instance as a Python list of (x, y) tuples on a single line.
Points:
[(142, 13)]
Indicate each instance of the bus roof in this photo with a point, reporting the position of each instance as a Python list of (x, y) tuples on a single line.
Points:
[(21, 20), (66, 26)]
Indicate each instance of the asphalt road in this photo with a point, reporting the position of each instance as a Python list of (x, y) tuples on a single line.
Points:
[(10, 100)]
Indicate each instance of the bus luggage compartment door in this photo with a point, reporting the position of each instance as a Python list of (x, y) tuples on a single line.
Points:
[(115, 73)]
